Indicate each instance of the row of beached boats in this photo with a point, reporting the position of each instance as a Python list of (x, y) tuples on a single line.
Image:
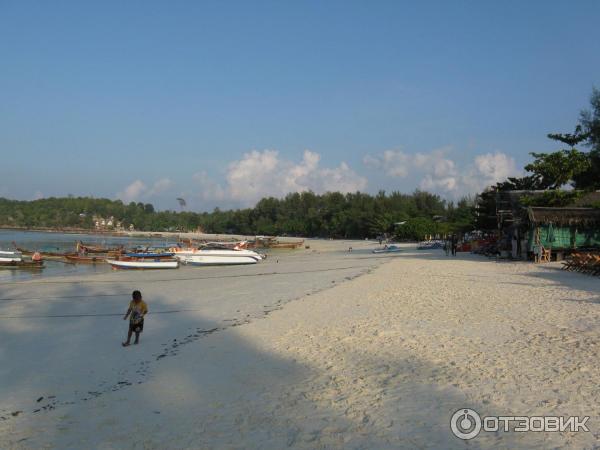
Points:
[(206, 254), (16, 260)]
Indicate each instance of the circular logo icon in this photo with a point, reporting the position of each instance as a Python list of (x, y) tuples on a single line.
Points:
[(465, 424)]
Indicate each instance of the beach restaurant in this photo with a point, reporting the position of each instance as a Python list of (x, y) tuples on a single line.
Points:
[(562, 230)]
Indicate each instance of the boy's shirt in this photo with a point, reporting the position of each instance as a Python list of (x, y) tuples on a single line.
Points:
[(137, 309)]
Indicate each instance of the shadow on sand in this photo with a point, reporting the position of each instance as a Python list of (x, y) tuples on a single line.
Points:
[(194, 382)]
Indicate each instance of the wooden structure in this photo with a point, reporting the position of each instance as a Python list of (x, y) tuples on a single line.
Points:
[(562, 230)]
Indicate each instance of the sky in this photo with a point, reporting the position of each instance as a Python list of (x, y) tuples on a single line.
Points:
[(225, 102)]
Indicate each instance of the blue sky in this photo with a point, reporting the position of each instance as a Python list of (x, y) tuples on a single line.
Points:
[(224, 102)]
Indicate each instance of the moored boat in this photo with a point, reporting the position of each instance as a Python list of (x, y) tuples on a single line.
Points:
[(213, 256), (273, 243), (143, 263), (9, 256), (153, 255), (90, 248), (84, 259), (21, 264), (388, 249)]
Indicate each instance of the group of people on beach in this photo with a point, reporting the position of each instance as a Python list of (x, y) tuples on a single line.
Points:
[(450, 245)]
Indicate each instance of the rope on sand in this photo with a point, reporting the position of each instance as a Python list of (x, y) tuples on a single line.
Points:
[(49, 316), (167, 280)]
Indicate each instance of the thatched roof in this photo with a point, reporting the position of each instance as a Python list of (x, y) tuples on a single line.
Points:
[(564, 216)]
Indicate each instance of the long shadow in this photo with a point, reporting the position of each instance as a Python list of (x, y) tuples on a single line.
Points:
[(194, 382)]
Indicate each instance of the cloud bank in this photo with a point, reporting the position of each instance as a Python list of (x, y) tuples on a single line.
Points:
[(265, 173), (258, 174), (138, 190), (440, 174)]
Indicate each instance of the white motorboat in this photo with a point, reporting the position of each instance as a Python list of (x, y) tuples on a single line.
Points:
[(10, 256), (142, 263), (388, 249), (216, 256)]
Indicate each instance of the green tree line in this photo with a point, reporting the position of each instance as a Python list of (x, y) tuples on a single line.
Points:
[(333, 214)]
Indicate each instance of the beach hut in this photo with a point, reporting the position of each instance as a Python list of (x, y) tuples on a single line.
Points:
[(563, 229)]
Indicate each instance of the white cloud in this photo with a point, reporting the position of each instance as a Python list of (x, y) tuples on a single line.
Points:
[(265, 173), (132, 192), (440, 174), (159, 187), (210, 190), (38, 195), (138, 190)]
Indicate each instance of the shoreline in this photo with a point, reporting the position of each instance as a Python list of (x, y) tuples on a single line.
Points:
[(159, 234)]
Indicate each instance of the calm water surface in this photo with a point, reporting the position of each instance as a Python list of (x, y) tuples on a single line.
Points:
[(59, 242)]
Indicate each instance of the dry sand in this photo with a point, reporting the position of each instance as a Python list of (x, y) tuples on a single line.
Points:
[(375, 361)]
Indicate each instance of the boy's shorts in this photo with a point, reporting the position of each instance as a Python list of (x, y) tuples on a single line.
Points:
[(136, 327)]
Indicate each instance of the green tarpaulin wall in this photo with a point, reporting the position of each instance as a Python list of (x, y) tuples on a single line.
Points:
[(564, 236)]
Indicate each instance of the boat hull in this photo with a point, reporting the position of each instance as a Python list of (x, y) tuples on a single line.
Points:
[(388, 250), (143, 264), (216, 260), (217, 257), (21, 265), (85, 259)]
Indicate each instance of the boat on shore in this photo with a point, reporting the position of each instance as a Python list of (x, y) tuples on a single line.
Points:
[(143, 263), (49, 256), (153, 255), (388, 249), (21, 265), (9, 256), (91, 248), (84, 259), (273, 243), (215, 256)]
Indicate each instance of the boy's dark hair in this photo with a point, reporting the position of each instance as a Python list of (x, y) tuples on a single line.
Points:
[(137, 295)]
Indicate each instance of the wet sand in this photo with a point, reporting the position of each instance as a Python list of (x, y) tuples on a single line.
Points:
[(316, 348)]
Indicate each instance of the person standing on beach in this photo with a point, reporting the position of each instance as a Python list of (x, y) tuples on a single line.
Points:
[(454, 243), (136, 312)]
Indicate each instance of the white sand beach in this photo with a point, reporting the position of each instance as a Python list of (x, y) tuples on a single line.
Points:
[(317, 348)]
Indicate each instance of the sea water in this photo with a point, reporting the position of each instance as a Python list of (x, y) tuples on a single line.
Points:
[(64, 242)]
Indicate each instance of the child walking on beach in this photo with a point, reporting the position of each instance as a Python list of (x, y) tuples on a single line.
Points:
[(136, 312)]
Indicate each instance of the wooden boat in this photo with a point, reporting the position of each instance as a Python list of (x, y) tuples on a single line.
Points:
[(90, 248), (49, 256), (84, 259), (143, 263), (44, 254), (272, 242), (21, 264)]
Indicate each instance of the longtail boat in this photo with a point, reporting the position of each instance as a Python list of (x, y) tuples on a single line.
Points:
[(21, 264), (272, 242), (90, 248), (83, 259)]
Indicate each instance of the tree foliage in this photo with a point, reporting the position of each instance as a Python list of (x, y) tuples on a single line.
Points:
[(353, 215), (553, 170), (579, 168)]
